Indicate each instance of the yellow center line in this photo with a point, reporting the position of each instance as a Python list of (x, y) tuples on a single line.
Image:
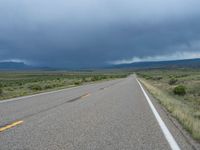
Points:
[(86, 95), (11, 125)]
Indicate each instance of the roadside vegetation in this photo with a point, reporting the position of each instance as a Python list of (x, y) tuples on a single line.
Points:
[(179, 92), (15, 84)]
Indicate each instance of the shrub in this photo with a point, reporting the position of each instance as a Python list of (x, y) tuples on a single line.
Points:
[(172, 81), (157, 78), (48, 86), (179, 90), (147, 77), (1, 91), (94, 78), (77, 82), (84, 79), (35, 87), (10, 89), (19, 83)]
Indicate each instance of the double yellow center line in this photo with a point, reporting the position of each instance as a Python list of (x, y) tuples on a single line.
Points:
[(11, 125)]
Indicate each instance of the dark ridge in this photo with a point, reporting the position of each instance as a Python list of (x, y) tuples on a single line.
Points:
[(187, 63)]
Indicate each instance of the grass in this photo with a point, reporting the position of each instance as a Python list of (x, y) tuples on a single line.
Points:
[(184, 107), (15, 84)]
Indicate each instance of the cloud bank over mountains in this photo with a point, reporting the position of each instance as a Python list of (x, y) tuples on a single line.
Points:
[(90, 33)]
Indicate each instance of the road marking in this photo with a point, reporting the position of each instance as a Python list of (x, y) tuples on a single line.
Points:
[(39, 94), (85, 95), (165, 130), (78, 98), (51, 92), (11, 125)]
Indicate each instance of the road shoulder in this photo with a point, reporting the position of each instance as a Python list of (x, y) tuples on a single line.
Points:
[(183, 139)]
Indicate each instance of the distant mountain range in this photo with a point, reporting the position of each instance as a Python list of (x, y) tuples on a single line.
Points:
[(187, 63), (20, 66), (13, 65)]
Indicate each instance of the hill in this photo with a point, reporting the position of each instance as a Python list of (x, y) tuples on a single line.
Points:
[(187, 63), (13, 66), (21, 66)]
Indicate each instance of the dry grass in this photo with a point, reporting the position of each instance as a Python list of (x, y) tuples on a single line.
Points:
[(15, 84), (187, 115)]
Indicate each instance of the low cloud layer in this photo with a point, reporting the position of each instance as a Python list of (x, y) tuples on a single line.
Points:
[(174, 56), (90, 33)]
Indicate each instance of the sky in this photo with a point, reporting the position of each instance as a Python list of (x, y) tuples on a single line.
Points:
[(93, 33)]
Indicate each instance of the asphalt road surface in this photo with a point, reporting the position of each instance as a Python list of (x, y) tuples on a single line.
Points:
[(111, 115)]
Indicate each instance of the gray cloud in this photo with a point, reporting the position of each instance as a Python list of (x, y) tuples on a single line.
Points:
[(93, 32)]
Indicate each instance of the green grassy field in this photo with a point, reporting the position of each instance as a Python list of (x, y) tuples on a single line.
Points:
[(178, 91), (15, 84)]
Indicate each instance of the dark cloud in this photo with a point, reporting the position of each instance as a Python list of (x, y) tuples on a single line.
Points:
[(92, 32)]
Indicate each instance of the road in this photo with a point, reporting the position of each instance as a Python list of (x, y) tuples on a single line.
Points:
[(110, 115)]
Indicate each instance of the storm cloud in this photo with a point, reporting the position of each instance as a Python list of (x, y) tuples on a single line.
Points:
[(90, 33)]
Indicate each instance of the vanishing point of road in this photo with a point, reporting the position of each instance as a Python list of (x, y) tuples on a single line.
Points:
[(109, 115)]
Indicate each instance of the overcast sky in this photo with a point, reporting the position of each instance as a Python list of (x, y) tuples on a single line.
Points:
[(89, 33)]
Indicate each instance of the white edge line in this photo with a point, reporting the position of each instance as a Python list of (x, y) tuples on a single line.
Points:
[(165, 130), (46, 93), (39, 94)]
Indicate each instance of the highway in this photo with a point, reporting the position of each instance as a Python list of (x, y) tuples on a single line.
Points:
[(109, 115)]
